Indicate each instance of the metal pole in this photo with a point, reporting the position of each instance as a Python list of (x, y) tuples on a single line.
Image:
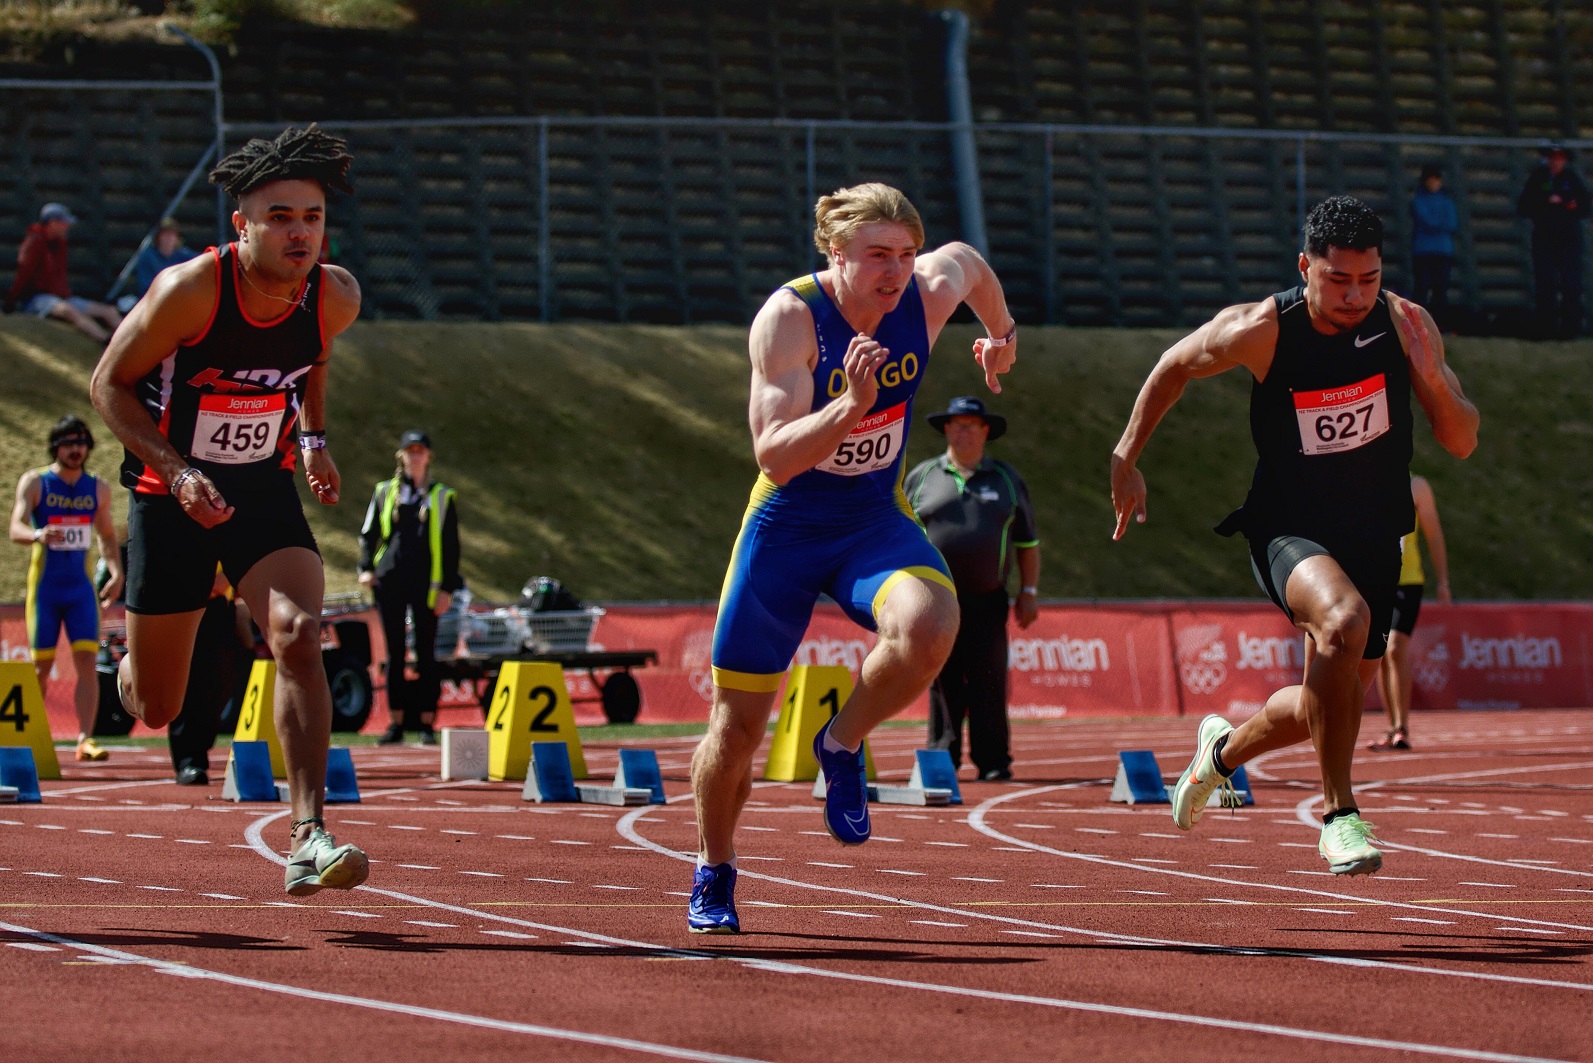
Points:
[(544, 265), (221, 136), (1299, 185), (1050, 232), (964, 151), (812, 181)]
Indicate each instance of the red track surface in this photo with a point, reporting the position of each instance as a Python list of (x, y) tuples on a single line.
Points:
[(1037, 921)]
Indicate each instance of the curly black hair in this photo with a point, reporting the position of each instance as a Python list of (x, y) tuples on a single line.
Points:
[(308, 154), (1344, 222)]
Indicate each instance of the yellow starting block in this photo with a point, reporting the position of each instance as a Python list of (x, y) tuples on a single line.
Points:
[(813, 694), (23, 721), (530, 703), (257, 717)]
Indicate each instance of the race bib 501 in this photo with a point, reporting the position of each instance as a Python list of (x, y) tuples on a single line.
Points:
[(1341, 419), (75, 532), (872, 445)]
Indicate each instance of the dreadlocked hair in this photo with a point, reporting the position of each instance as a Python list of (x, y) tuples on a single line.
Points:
[(307, 154)]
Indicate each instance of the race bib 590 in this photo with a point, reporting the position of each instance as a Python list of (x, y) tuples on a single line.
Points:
[(1341, 419), (238, 429), (872, 445)]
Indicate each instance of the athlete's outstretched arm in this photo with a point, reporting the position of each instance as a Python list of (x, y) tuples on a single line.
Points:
[(1240, 335), (789, 437), (1433, 531), (110, 549), (957, 273), (340, 307), (176, 309), (22, 530), (1454, 419)]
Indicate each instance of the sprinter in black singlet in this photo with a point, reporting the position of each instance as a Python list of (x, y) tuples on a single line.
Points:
[(214, 383), (1334, 362)]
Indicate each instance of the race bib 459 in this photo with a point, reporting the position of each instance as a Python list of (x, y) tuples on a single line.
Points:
[(238, 429), (1341, 419)]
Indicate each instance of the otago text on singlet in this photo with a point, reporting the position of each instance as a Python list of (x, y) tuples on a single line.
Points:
[(70, 508), (228, 400), (1332, 429), (864, 473)]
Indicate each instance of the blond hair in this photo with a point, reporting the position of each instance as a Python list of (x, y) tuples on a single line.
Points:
[(840, 214)]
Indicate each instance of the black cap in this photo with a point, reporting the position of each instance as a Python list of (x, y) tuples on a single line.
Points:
[(414, 437), (969, 406)]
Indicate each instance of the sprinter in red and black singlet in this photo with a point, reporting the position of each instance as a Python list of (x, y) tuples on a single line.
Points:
[(214, 383), (1334, 363)]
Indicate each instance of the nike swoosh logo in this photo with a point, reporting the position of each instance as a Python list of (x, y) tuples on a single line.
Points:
[(854, 821), (1362, 343)]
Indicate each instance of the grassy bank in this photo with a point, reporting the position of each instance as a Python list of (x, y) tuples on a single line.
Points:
[(616, 458)]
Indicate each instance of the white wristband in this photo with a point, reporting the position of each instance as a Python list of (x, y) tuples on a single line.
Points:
[(1031, 590), (991, 341)]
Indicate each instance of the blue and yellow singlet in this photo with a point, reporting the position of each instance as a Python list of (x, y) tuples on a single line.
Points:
[(60, 588), (843, 528)]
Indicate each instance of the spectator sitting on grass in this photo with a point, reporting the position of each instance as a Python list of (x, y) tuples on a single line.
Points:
[(41, 286), (166, 249)]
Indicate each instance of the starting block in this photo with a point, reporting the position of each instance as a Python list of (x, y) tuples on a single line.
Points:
[(342, 786), (933, 770), (249, 775), (638, 768), (19, 775), (549, 777), (464, 753), (1241, 786), (8, 795), (1139, 779), (23, 721), (890, 794), (593, 794)]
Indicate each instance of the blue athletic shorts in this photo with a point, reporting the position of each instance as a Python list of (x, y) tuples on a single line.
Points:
[(778, 569), (73, 604)]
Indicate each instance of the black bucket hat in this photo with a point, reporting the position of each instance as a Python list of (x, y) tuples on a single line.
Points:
[(969, 406)]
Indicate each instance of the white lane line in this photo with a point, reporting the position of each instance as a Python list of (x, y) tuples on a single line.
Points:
[(222, 896), (421, 867), (401, 826), (603, 886), (357, 915), (107, 881), (568, 841), (408, 1010), (854, 915), (1237, 867), (1528, 930), (427, 922), (949, 845), (1418, 919), (553, 881), (1030, 934), (1326, 911), (970, 878), (515, 837), (32, 946), (1492, 885), (822, 863), (482, 874), (192, 841), (893, 871), (91, 830), (510, 934), (937, 922)]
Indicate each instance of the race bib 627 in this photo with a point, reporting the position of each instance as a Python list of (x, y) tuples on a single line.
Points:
[(1341, 419)]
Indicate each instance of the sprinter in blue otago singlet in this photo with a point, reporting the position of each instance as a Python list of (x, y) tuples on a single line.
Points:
[(836, 360), (843, 528), (61, 510)]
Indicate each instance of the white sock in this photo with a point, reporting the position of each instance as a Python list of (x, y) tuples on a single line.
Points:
[(702, 862), (832, 746)]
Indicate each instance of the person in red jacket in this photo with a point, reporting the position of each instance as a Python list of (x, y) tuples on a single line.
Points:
[(41, 286)]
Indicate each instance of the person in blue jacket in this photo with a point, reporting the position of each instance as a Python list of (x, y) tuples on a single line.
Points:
[(1432, 245), (165, 249)]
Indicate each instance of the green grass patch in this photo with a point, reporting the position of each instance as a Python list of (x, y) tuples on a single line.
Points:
[(617, 458)]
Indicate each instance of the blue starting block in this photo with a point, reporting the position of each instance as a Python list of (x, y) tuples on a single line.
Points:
[(1139, 779), (638, 769), (342, 786), (550, 777), (933, 770), (1241, 786), (18, 772), (249, 775)]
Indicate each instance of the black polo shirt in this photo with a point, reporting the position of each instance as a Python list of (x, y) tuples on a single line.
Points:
[(976, 522)]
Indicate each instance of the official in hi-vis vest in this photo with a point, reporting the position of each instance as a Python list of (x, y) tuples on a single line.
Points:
[(409, 558)]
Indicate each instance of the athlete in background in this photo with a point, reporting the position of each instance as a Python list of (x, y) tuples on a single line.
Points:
[(836, 359), (1394, 680), (1334, 362), (214, 383), (59, 508)]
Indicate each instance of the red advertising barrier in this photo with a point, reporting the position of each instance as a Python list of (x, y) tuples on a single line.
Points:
[(1106, 659)]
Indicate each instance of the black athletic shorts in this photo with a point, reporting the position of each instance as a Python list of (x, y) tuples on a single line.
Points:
[(1407, 606), (171, 558), (1373, 568)]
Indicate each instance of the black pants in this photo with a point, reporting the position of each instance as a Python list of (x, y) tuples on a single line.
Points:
[(1431, 274), (1557, 277), (218, 662), (419, 696), (973, 685)]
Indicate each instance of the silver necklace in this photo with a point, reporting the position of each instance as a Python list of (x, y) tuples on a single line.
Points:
[(279, 298)]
